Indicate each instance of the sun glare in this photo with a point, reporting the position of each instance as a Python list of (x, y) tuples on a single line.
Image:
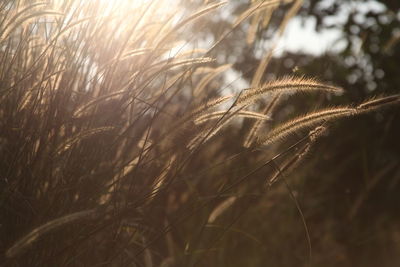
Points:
[(127, 13), (144, 17), (145, 8)]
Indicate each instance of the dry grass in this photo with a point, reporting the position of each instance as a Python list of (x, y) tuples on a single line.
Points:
[(98, 115)]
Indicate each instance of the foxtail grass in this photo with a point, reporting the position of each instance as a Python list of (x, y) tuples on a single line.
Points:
[(119, 142)]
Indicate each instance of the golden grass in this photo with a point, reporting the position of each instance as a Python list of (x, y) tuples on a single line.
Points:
[(101, 108)]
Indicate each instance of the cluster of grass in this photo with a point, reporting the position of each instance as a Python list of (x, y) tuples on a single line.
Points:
[(113, 146)]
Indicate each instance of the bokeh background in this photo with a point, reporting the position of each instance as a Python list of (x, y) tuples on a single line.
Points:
[(349, 188)]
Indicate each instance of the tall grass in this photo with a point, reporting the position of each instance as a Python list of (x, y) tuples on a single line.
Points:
[(113, 147)]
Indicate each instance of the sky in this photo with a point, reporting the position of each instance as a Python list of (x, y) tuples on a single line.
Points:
[(300, 35)]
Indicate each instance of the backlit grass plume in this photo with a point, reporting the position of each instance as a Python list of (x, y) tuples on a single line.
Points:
[(287, 85)]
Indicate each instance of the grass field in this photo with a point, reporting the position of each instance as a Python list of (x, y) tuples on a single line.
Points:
[(120, 146)]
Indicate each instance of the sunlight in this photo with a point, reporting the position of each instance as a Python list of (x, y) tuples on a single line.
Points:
[(139, 14), (144, 8), (141, 10), (150, 19)]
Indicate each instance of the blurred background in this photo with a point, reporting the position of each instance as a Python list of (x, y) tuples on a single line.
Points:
[(349, 189)]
